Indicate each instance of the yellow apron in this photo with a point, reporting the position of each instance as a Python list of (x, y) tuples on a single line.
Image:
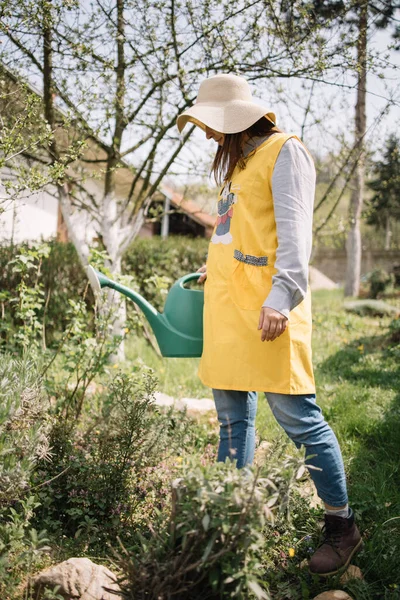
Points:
[(240, 266)]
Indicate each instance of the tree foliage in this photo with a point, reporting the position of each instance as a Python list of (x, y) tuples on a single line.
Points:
[(385, 203)]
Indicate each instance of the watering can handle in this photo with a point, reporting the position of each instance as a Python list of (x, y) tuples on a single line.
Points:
[(189, 277)]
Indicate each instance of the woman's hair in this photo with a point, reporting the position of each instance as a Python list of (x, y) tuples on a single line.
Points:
[(231, 154)]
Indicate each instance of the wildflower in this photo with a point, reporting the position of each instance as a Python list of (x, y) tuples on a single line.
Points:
[(360, 348), (292, 552), (115, 366), (127, 330)]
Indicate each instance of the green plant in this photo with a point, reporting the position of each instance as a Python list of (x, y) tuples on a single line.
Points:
[(378, 280), (394, 331), (151, 265), (155, 263), (61, 278), (113, 472), (24, 425), (211, 545), (21, 547), (30, 296)]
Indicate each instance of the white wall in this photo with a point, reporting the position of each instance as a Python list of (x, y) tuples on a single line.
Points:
[(30, 218), (34, 217)]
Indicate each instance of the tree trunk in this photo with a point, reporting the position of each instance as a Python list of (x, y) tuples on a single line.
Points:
[(388, 233), (62, 231), (353, 243), (116, 308)]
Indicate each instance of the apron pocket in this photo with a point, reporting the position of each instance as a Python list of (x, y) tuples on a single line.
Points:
[(251, 280)]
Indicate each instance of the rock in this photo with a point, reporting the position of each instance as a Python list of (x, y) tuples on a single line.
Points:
[(261, 453), (192, 405), (371, 308), (352, 572), (319, 281), (78, 579), (307, 490), (333, 595)]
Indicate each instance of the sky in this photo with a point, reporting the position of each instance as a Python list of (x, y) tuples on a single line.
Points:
[(331, 117)]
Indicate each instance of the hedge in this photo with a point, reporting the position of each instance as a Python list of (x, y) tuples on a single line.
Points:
[(149, 261)]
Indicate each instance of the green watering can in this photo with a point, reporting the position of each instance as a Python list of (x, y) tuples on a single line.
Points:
[(179, 329)]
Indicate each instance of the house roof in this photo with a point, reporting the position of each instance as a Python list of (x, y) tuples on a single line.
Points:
[(191, 208), (125, 175)]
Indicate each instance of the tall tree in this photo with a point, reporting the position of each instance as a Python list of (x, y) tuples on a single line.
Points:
[(353, 242), (384, 207), (357, 19)]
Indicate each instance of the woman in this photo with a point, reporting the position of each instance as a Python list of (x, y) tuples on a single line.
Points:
[(257, 316)]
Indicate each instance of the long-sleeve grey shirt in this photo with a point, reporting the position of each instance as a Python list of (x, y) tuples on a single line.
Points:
[(293, 190)]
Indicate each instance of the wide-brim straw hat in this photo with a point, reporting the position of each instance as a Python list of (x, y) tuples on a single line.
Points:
[(225, 104)]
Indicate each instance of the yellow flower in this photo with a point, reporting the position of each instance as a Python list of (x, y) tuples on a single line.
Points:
[(179, 459), (127, 330), (292, 552), (360, 347), (115, 366)]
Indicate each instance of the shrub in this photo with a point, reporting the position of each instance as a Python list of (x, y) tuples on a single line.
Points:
[(24, 425), (212, 544), (394, 331), (156, 263), (103, 478), (21, 548), (56, 276), (24, 442), (378, 280)]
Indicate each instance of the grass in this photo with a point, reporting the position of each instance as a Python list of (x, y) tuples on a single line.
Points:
[(176, 376), (358, 387)]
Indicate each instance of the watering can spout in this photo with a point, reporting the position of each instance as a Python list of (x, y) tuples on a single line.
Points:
[(179, 329), (99, 280)]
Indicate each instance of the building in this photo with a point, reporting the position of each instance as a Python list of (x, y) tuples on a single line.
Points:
[(36, 215)]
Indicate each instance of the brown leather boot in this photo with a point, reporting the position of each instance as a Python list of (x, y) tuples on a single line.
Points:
[(342, 540)]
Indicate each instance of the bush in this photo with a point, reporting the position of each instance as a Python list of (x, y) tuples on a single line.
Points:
[(212, 544), (153, 263), (111, 475), (378, 280), (24, 426), (156, 263), (24, 442), (60, 277), (394, 331), (21, 549)]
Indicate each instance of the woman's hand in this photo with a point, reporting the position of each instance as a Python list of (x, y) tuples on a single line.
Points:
[(203, 270), (272, 323)]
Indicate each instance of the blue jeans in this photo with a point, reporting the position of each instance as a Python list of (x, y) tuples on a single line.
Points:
[(302, 420)]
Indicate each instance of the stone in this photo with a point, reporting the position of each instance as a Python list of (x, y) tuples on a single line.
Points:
[(352, 572), (307, 490), (371, 308), (78, 579), (191, 405), (319, 281), (333, 595)]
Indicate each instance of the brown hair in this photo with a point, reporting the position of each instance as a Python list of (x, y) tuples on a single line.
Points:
[(231, 154)]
